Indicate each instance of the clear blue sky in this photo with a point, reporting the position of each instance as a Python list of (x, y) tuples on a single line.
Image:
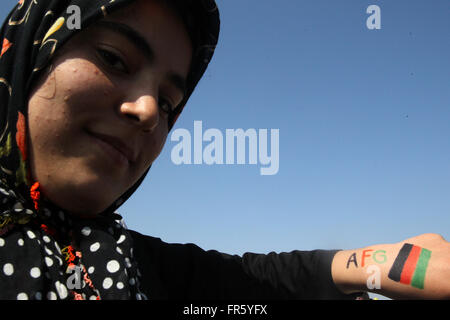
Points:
[(364, 120)]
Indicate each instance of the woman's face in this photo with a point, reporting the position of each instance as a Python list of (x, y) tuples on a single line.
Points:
[(97, 120)]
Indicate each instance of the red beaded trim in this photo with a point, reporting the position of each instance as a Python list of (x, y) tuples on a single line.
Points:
[(71, 256), (35, 194)]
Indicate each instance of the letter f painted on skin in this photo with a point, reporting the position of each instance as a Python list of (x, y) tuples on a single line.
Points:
[(364, 255)]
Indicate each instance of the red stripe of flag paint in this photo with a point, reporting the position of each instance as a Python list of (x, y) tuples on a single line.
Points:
[(396, 269), (410, 265)]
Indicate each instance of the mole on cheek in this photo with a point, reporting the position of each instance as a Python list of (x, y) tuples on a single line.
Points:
[(92, 74), (67, 94)]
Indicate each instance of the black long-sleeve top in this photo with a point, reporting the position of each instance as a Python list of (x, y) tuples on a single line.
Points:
[(185, 271)]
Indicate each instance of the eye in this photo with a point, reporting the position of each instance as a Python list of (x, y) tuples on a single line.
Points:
[(165, 106), (112, 60)]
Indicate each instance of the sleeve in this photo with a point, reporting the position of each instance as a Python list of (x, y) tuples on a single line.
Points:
[(185, 271), (296, 274)]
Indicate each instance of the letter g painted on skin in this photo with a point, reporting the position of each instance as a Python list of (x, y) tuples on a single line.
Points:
[(379, 256)]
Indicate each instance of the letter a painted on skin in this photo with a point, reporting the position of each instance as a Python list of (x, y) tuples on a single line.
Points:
[(352, 259)]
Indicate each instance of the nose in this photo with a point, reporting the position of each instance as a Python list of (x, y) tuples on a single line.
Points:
[(143, 111)]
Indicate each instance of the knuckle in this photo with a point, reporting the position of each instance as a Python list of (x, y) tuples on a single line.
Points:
[(432, 236)]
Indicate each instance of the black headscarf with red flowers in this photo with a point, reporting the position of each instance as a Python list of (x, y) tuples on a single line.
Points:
[(45, 253)]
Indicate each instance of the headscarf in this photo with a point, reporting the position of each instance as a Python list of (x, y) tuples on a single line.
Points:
[(45, 253)]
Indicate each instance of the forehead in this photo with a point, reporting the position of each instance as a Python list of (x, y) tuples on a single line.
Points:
[(152, 16), (162, 28)]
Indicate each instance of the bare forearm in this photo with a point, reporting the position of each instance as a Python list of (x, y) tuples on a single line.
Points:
[(415, 268)]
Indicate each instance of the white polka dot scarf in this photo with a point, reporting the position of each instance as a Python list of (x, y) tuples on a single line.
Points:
[(45, 253), (51, 255)]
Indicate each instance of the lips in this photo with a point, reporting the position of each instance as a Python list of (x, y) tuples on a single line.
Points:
[(118, 145)]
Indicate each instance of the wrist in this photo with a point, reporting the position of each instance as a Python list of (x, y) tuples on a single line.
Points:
[(364, 269), (347, 281)]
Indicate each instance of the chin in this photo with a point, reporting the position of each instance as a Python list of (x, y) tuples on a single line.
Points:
[(79, 189), (84, 206), (86, 203)]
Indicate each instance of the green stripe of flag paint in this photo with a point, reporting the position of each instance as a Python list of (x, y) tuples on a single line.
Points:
[(421, 267)]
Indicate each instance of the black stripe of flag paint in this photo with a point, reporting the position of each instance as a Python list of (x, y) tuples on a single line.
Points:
[(397, 268)]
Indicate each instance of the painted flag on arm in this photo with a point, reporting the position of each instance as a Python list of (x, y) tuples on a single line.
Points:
[(410, 265)]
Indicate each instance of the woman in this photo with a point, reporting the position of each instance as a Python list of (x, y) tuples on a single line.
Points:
[(56, 92), (84, 113)]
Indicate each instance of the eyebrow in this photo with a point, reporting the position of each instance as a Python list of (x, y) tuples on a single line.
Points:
[(141, 43)]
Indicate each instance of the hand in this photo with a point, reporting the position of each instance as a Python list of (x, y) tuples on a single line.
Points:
[(437, 278), (416, 268)]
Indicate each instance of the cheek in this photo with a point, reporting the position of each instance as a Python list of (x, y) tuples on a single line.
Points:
[(153, 146), (60, 103), (82, 83), (54, 88), (69, 92)]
